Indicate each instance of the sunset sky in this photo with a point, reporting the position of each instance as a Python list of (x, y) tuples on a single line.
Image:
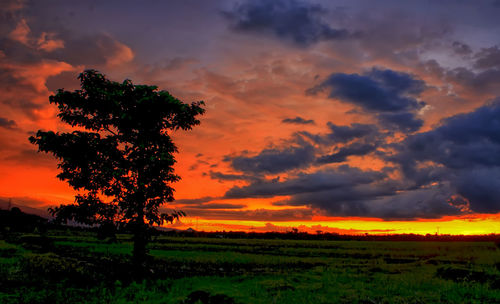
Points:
[(341, 116)]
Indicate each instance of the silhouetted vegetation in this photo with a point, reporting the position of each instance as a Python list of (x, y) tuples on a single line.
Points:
[(14, 220), (125, 154)]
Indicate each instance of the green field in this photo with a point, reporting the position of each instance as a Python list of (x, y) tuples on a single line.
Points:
[(74, 267)]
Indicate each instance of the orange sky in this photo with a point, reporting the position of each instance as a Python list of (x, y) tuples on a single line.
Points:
[(342, 121)]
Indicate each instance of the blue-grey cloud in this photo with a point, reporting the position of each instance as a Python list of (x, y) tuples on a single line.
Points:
[(274, 160), (298, 120), (387, 200), (347, 191), (403, 121), (230, 177), (462, 152), (343, 134), (487, 58), (461, 48), (483, 82), (196, 201), (253, 215), (358, 149), (341, 178), (7, 123), (296, 21), (376, 90), (390, 95), (216, 206)]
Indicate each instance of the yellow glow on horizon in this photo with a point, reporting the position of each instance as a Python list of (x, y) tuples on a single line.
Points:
[(466, 225)]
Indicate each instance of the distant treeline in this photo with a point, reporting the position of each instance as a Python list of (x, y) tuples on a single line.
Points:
[(14, 220), (336, 236)]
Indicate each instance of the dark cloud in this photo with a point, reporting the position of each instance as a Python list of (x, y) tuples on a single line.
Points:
[(282, 215), (390, 95), (195, 201), (274, 160), (487, 58), (230, 177), (341, 155), (461, 48), (89, 50), (216, 206), (366, 133), (462, 152), (341, 178), (379, 199), (376, 90), (7, 123), (343, 134), (462, 141), (414, 204), (403, 121), (290, 20), (483, 82), (348, 191), (298, 120)]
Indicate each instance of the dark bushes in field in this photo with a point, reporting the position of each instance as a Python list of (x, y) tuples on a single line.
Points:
[(468, 275), (54, 268), (200, 296), (15, 220)]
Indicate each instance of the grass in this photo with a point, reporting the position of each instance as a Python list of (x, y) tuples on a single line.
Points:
[(76, 267)]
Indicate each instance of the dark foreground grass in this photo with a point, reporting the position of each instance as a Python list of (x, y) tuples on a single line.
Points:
[(77, 268)]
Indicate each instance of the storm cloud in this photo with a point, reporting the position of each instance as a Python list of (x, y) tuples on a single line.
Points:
[(274, 160), (7, 123), (340, 178), (390, 95), (293, 21), (298, 121), (463, 152)]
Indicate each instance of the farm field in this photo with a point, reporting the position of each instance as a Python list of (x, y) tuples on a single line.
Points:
[(76, 267)]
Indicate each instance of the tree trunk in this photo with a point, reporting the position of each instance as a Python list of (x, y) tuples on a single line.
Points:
[(140, 241)]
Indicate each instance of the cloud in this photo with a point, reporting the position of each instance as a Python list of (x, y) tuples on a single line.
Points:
[(390, 95), (293, 21), (21, 32), (216, 206), (487, 58), (343, 134), (230, 177), (340, 178), (46, 42), (376, 90), (7, 123), (462, 152), (283, 215), (482, 82), (348, 191), (404, 121), (194, 201), (461, 48), (341, 155), (299, 121), (274, 160), (384, 198), (92, 50)]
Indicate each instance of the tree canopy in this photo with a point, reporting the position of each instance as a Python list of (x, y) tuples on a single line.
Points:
[(120, 156)]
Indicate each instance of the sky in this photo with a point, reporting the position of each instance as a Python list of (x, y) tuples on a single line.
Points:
[(340, 116)]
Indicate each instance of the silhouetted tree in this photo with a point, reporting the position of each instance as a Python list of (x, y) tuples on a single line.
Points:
[(121, 156)]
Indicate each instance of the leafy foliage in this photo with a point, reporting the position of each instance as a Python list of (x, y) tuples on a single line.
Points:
[(120, 157)]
